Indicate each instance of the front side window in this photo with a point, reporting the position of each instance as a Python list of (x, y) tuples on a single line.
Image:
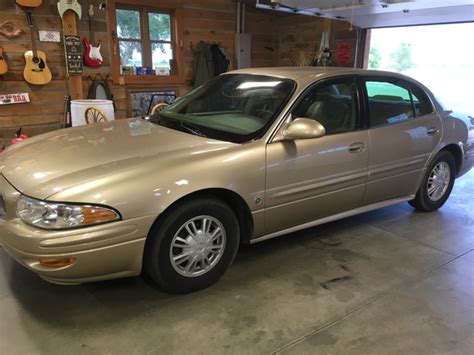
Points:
[(332, 104), (389, 103), (236, 107), (145, 39)]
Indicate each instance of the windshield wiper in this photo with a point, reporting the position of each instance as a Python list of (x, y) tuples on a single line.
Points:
[(159, 118), (192, 129)]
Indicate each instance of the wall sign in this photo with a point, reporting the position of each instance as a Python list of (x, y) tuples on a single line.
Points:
[(344, 53), (72, 46), (9, 99), (49, 36)]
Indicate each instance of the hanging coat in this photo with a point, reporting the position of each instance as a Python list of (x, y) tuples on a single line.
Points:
[(203, 65), (221, 63)]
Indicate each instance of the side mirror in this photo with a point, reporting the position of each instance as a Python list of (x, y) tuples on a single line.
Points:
[(303, 128)]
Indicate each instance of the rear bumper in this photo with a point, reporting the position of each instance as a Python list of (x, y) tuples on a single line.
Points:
[(468, 155), (101, 252)]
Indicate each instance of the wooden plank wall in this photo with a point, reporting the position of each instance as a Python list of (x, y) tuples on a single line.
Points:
[(296, 32), (46, 110), (213, 21)]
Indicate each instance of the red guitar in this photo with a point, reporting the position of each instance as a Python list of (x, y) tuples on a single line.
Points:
[(92, 56)]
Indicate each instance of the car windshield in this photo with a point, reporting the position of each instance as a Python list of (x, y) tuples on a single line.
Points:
[(235, 107)]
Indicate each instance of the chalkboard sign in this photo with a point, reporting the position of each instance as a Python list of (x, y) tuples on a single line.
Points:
[(72, 46)]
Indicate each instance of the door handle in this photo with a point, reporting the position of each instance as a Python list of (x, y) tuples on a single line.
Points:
[(432, 131), (356, 147)]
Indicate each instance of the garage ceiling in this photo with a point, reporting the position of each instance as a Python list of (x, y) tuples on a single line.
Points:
[(379, 13)]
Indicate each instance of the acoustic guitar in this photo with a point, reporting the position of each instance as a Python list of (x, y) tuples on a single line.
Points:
[(92, 56), (3, 63), (36, 70), (29, 3)]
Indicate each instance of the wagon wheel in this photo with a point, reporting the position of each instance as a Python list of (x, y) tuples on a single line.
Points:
[(158, 108), (93, 116)]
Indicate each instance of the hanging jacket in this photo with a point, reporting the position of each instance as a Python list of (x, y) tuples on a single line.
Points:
[(221, 63), (203, 65)]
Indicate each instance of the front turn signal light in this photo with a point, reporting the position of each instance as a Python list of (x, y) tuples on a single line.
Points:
[(56, 263)]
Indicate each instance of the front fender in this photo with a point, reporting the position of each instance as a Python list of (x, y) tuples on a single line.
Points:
[(151, 188)]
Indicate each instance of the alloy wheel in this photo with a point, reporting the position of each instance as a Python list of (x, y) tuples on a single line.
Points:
[(438, 181), (197, 246)]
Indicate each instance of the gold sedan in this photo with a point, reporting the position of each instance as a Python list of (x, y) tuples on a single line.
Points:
[(252, 154)]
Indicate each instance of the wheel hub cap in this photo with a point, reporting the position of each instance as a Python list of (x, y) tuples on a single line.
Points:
[(197, 246), (438, 181)]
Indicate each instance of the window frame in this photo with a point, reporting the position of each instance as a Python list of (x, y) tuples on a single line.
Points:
[(361, 123), (145, 7), (405, 84)]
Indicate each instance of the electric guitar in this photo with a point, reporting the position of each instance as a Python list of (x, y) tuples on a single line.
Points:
[(36, 70), (3, 63), (64, 5), (92, 56), (29, 3)]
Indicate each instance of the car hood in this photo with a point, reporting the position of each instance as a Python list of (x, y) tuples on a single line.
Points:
[(44, 165)]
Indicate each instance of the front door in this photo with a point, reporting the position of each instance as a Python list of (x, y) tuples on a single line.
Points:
[(315, 178)]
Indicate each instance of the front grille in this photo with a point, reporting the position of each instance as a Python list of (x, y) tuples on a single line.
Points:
[(3, 210)]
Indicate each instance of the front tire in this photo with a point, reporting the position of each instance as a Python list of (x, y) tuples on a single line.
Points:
[(192, 247), (437, 183)]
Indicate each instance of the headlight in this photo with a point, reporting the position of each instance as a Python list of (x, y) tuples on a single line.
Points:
[(53, 215)]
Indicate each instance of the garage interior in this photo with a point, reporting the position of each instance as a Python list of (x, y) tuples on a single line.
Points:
[(391, 281)]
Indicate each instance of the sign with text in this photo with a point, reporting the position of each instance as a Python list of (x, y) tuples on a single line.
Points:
[(9, 99), (344, 50), (72, 46)]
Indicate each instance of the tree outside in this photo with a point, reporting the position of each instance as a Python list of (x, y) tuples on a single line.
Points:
[(375, 58), (401, 59), (128, 27)]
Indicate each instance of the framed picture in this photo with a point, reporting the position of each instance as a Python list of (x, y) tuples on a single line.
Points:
[(141, 101)]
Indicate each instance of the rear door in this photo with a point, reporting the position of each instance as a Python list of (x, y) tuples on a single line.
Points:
[(404, 129)]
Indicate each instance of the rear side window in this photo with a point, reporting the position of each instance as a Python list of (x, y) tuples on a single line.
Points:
[(421, 101), (388, 103)]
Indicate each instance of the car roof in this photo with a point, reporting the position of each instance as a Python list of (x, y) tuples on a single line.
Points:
[(299, 73)]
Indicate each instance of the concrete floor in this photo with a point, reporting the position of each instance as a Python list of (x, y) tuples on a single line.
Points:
[(391, 281)]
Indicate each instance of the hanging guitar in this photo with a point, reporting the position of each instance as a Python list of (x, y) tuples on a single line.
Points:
[(65, 5), (92, 56), (3, 63), (36, 70), (29, 3)]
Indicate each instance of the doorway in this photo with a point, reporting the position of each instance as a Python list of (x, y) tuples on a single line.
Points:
[(439, 56)]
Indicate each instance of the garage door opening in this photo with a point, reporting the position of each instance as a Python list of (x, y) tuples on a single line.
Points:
[(439, 56)]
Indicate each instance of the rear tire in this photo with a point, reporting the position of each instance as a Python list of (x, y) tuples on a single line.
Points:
[(192, 247), (437, 183)]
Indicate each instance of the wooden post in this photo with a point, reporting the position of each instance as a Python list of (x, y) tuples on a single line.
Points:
[(74, 81), (327, 25)]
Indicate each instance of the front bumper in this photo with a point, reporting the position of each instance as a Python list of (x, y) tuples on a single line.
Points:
[(114, 250), (100, 252)]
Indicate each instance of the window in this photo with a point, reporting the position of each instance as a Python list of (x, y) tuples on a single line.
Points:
[(334, 105), (145, 39), (421, 101), (234, 107), (388, 103), (392, 103)]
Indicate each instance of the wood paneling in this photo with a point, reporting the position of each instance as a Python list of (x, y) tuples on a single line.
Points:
[(298, 32), (46, 110), (273, 39)]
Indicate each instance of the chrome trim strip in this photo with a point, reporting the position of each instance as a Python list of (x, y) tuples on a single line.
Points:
[(320, 183), (332, 218), (388, 167)]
